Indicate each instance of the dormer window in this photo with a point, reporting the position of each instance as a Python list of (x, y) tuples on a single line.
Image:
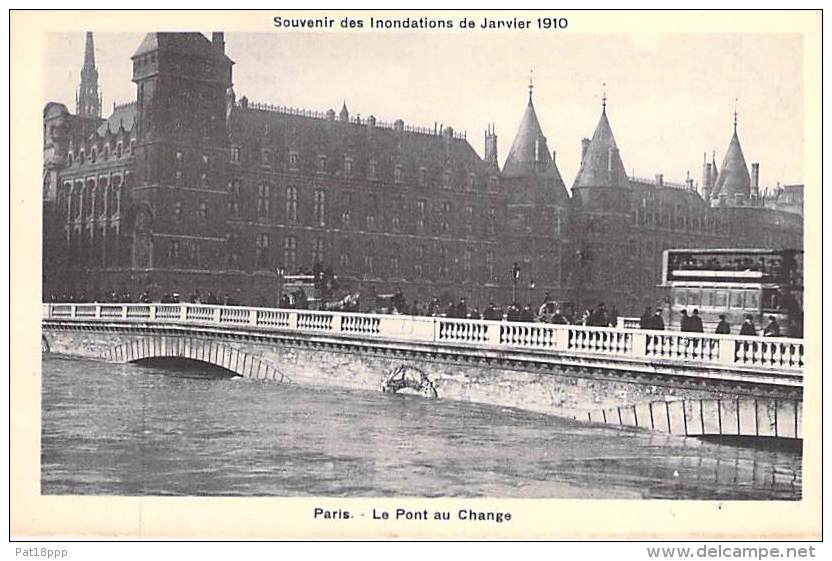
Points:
[(293, 159), (371, 169), (398, 173), (235, 154), (492, 183), (265, 157)]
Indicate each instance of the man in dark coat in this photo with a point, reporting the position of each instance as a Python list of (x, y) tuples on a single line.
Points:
[(773, 328), (658, 322), (684, 322), (492, 313), (696, 322), (723, 327), (748, 326)]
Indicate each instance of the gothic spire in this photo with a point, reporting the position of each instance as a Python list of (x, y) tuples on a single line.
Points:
[(89, 98)]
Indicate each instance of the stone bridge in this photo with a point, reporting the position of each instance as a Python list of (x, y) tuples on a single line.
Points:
[(678, 383)]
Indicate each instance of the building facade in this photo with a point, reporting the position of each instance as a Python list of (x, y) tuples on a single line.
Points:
[(190, 189)]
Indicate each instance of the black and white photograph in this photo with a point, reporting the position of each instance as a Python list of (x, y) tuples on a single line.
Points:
[(437, 255)]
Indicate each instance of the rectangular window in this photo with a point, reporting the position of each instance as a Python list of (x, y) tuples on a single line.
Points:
[(290, 248), (234, 198), (736, 298), (372, 209), (423, 176), (369, 264), (752, 300), (235, 154), (466, 264), (320, 208), (293, 160), (263, 201), (472, 179), (371, 169), (489, 265), (317, 250), (347, 166), (321, 163), (266, 158), (398, 174), (203, 211), (291, 205)]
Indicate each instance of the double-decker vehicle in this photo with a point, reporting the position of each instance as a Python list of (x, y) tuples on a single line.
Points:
[(736, 283)]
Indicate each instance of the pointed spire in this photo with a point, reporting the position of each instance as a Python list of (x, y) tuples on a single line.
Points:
[(344, 115), (733, 178), (736, 101), (89, 52), (89, 97), (601, 165), (531, 83), (604, 98)]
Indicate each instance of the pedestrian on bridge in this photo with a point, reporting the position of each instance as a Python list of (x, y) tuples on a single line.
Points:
[(748, 326), (773, 328), (696, 322), (723, 327)]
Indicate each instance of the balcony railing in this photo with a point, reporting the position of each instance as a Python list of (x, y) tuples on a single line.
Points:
[(702, 349)]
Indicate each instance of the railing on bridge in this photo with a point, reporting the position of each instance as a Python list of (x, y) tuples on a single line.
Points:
[(702, 349)]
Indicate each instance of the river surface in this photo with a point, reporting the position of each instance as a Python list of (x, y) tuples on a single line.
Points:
[(111, 429)]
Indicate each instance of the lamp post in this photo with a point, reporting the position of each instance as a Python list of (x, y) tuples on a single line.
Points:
[(279, 272), (531, 291), (515, 275)]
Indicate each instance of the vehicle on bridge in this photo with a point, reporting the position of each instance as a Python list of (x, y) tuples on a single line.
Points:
[(736, 283)]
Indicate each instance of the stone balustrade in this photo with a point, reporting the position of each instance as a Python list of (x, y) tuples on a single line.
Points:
[(702, 349)]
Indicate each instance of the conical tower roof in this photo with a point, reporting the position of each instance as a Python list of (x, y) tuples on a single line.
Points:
[(529, 154), (733, 176), (601, 165)]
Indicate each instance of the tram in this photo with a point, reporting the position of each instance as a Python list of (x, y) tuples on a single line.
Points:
[(736, 283)]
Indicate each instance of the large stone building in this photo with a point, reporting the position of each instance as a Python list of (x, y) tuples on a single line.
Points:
[(189, 188)]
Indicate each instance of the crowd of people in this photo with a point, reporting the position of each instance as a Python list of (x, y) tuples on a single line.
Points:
[(600, 316)]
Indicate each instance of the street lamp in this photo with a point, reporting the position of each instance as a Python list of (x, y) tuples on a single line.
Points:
[(515, 275), (279, 272), (531, 290)]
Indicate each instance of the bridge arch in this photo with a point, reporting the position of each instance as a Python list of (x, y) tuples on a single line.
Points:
[(200, 350)]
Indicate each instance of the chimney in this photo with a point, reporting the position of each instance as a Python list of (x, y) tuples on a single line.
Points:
[(755, 179), (659, 180), (490, 144), (689, 182), (218, 39), (584, 146)]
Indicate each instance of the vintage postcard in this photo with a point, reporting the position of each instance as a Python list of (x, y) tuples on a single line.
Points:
[(416, 274)]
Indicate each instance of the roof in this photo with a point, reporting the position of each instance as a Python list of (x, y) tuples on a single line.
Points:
[(601, 165), (192, 43), (123, 116), (529, 156), (54, 109), (733, 176), (254, 128)]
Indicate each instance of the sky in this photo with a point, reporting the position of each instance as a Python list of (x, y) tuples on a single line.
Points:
[(670, 98)]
